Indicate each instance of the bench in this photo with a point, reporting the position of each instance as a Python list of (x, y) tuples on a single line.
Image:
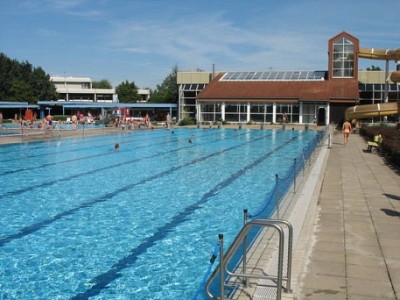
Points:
[(375, 144)]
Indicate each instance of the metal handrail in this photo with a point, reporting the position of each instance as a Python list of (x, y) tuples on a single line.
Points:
[(289, 254), (234, 247)]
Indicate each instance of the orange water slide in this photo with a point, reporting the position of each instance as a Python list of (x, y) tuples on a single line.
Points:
[(368, 111)]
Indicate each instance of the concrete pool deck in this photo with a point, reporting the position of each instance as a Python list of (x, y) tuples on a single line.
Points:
[(346, 223), (354, 246)]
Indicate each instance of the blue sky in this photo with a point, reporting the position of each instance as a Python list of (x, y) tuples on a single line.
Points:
[(142, 40)]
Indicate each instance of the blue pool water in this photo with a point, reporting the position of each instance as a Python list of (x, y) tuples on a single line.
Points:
[(80, 220)]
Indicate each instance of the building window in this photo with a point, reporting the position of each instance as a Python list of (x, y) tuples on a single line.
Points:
[(257, 113), (310, 112), (343, 58), (211, 112), (236, 112), (292, 112)]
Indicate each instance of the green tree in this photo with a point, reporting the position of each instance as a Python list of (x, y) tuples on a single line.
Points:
[(6, 68), (127, 92), (42, 87), (373, 68), (102, 84), (22, 82), (168, 91), (20, 91)]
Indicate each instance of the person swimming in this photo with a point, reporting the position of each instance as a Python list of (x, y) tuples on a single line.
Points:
[(116, 146)]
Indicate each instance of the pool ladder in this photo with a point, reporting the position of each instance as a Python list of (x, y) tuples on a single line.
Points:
[(241, 239)]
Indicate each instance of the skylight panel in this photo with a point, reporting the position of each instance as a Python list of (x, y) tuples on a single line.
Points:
[(265, 75), (303, 75), (272, 75), (311, 75), (257, 75), (319, 74), (288, 75), (242, 75), (279, 75), (250, 75), (295, 75), (228, 76), (235, 75)]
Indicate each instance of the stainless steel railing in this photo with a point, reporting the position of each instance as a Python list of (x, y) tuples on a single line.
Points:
[(241, 238)]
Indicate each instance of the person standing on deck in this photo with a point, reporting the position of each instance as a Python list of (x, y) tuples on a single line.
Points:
[(346, 129), (168, 120)]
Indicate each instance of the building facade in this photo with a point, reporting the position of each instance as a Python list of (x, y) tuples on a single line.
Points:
[(303, 96), (81, 89), (190, 84)]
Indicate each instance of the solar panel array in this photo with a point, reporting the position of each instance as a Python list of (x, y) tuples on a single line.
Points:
[(274, 76)]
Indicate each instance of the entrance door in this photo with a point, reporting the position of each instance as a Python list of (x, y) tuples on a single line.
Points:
[(321, 117)]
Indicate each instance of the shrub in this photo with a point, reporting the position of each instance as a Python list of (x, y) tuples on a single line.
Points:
[(59, 118), (187, 122), (391, 140)]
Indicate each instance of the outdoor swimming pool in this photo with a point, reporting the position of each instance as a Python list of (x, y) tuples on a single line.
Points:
[(80, 220)]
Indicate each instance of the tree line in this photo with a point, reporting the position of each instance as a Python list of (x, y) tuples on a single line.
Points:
[(20, 81)]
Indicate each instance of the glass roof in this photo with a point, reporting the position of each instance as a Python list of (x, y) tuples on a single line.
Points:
[(274, 76), (193, 87), (378, 87)]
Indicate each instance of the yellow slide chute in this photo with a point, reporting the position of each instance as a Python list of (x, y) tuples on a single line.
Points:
[(382, 109), (380, 54), (368, 111)]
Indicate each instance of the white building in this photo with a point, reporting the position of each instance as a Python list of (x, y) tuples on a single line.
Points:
[(81, 89), (144, 94)]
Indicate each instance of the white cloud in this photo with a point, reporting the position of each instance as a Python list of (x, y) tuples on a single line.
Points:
[(139, 40), (78, 8)]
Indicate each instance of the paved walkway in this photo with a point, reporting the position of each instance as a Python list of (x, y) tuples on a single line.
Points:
[(355, 247)]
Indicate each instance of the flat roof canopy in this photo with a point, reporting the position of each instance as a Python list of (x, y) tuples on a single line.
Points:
[(11, 104), (83, 104)]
